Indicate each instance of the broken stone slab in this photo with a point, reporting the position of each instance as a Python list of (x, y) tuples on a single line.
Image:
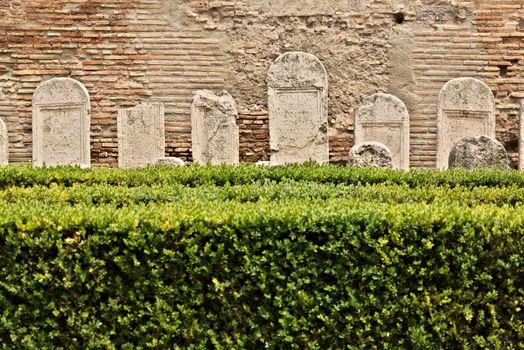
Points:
[(466, 107), (298, 107), (478, 152), (214, 134), (169, 161), (141, 135), (4, 144), (384, 118), (370, 154), (61, 123)]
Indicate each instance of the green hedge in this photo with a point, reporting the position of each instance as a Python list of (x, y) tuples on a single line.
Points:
[(195, 175), (279, 263)]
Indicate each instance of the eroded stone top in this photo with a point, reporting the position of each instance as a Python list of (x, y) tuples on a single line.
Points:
[(297, 69), (221, 101), (61, 91), (466, 94)]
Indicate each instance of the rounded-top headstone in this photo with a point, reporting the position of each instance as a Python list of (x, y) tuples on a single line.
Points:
[(61, 123), (478, 152), (370, 155), (466, 107), (169, 161), (298, 105), (384, 118)]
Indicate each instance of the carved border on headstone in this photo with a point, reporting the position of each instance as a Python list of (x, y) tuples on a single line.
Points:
[(40, 106), (300, 74), (401, 161), (463, 98)]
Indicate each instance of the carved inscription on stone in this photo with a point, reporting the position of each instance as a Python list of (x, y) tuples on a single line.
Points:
[(297, 92), (384, 118), (215, 135), (298, 112), (141, 136), (61, 123), (466, 107), (4, 144)]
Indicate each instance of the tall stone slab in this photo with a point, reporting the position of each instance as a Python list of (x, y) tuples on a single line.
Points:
[(61, 122), (466, 107), (141, 135), (521, 136), (298, 107), (384, 118), (214, 133), (4, 144)]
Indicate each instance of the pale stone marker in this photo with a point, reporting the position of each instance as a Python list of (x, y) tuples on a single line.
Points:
[(141, 136), (370, 154), (478, 152), (298, 101), (169, 162), (521, 136), (4, 144), (384, 118), (61, 123), (214, 133), (466, 107)]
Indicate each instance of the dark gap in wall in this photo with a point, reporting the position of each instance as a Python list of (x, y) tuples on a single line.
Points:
[(399, 17), (503, 71)]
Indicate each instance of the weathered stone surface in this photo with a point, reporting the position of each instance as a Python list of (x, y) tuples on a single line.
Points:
[(169, 161), (466, 107), (370, 155), (297, 92), (214, 134), (61, 123), (141, 135), (521, 136), (4, 144), (263, 163), (384, 118), (478, 152)]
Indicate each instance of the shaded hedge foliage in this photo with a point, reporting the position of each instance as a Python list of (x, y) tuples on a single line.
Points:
[(276, 262)]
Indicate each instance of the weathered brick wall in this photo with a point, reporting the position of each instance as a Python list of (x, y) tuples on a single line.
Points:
[(127, 51)]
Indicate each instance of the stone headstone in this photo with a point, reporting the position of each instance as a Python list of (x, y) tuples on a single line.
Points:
[(521, 136), (384, 118), (4, 144), (466, 107), (370, 155), (61, 123), (478, 152), (298, 107), (169, 161), (214, 134), (141, 136)]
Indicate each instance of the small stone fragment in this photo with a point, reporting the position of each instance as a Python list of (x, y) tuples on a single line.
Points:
[(370, 155), (478, 152), (169, 161)]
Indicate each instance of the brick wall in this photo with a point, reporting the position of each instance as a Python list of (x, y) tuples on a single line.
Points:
[(127, 51)]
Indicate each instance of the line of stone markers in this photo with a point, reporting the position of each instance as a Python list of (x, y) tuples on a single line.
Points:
[(298, 124)]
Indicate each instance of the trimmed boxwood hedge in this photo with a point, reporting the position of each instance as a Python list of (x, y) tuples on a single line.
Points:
[(98, 260)]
